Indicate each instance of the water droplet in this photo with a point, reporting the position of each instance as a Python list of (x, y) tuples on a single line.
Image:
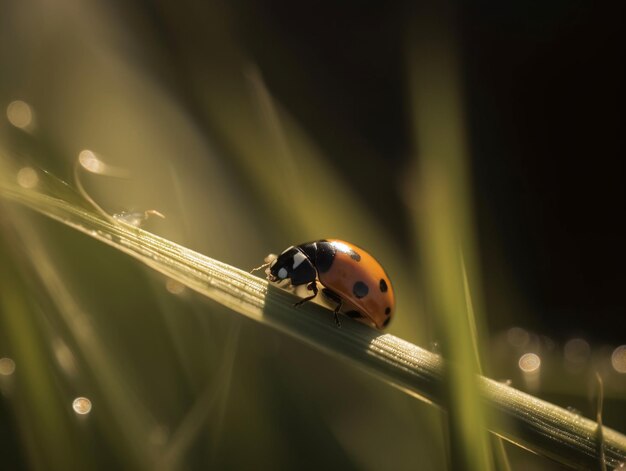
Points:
[(20, 114), (573, 410), (136, 219), (508, 382), (81, 405), (435, 347), (7, 366)]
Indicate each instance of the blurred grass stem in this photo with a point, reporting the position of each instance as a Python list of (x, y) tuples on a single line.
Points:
[(443, 226)]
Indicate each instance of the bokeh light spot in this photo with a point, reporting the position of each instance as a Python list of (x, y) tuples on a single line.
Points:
[(27, 177), (576, 350), (19, 114), (81, 405), (529, 362), (7, 366), (90, 162), (174, 287), (64, 356), (618, 359), (517, 337)]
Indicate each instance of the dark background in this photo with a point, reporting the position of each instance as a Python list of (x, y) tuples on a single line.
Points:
[(543, 86)]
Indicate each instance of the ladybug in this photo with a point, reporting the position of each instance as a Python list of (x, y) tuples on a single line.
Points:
[(350, 277)]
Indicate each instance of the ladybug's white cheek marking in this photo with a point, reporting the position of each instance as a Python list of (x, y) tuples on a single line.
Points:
[(282, 273), (298, 258)]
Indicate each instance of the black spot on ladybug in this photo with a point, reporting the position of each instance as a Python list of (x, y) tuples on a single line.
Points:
[(386, 323), (354, 314), (360, 289), (355, 256), (387, 311), (383, 286)]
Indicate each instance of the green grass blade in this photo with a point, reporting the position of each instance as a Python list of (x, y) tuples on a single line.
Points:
[(517, 417)]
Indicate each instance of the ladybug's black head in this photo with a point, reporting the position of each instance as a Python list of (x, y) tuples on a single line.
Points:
[(292, 264)]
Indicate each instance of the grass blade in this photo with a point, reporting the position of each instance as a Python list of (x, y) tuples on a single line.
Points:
[(517, 417)]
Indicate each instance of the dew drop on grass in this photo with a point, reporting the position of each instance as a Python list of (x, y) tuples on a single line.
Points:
[(136, 218), (573, 410), (133, 219)]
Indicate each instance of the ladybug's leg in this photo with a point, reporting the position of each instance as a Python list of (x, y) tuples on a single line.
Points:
[(334, 297), (336, 312), (312, 286)]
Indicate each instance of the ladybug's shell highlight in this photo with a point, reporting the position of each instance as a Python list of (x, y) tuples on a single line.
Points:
[(361, 282)]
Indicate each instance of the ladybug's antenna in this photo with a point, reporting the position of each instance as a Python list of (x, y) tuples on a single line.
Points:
[(267, 264), (268, 261)]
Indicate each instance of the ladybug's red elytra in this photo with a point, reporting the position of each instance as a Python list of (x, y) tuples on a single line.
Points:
[(350, 277)]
